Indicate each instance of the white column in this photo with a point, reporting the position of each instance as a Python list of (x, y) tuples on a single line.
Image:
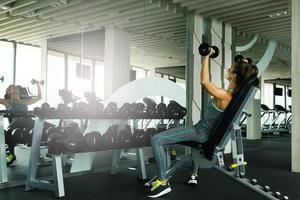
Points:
[(216, 63), (295, 85), (253, 123), (198, 31), (44, 62), (116, 59), (227, 63)]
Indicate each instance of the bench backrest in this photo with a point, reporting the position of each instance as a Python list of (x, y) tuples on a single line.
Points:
[(231, 116)]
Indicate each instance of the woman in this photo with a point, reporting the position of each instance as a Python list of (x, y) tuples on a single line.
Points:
[(237, 74), (14, 102)]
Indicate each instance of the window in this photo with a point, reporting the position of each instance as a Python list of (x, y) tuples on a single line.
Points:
[(140, 73), (268, 95), (28, 66), (55, 77), (99, 79), (78, 84), (6, 53)]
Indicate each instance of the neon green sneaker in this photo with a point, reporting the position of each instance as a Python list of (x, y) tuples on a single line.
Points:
[(11, 160), (158, 189)]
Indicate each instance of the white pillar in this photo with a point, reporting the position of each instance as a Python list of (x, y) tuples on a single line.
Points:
[(295, 85), (44, 62), (193, 87), (216, 63), (253, 123), (198, 31), (116, 59)]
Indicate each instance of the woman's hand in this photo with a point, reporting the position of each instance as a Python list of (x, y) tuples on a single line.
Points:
[(212, 51)]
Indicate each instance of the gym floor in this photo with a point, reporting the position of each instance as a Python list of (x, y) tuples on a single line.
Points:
[(268, 161)]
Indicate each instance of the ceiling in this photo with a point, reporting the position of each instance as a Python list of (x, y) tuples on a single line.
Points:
[(157, 27)]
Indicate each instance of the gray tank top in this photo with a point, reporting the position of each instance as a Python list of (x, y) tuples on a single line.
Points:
[(16, 106), (209, 119)]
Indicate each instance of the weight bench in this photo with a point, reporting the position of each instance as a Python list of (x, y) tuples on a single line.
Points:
[(211, 153)]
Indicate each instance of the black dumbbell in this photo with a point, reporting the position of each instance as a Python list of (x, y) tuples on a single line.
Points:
[(2, 78), (34, 81), (125, 110), (56, 143), (277, 194), (111, 109), (205, 48), (111, 137), (45, 109), (240, 58), (125, 137), (62, 109), (151, 106), (139, 137), (150, 132), (94, 141), (162, 110), (80, 108)]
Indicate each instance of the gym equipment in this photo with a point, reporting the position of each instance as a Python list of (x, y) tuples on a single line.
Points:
[(94, 105), (80, 108), (205, 48), (139, 137), (34, 81), (67, 96), (56, 143), (126, 110), (94, 141), (2, 79), (175, 110), (150, 132), (62, 109), (239, 58), (162, 110), (111, 109), (226, 128), (111, 137), (125, 137), (151, 106)]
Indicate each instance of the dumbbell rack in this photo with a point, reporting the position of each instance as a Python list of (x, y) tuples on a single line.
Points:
[(4, 114), (57, 184)]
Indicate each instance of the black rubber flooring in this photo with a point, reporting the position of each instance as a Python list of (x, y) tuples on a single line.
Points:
[(269, 161)]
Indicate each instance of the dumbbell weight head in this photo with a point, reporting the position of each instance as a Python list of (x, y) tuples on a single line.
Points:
[(33, 81), (93, 141), (125, 110), (111, 109), (204, 50), (217, 52), (111, 137), (45, 109), (139, 137), (161, 110), (72, 142), (125, 137), (150, 132), (1, 79), (56, 143), (238, 58)]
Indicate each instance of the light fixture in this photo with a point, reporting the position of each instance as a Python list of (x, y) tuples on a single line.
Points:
[(278, 14), (5, 7)]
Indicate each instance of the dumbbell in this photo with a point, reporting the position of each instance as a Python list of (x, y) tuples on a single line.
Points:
[(139, 137), (111, 137), (125, 110), (34, 81), (150, 132), (94, 141), (111, 109), (205, 48), (151, 106), (125, 137), (239, 58), (80, 108), (1, 79), (162, 110)]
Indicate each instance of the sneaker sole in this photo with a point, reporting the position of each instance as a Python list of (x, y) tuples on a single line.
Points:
[(12, 164), (161, 193)]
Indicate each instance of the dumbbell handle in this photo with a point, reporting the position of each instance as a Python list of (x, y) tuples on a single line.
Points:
[(33, 81)]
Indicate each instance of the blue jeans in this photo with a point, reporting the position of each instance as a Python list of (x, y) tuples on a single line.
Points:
[(172, 136)]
